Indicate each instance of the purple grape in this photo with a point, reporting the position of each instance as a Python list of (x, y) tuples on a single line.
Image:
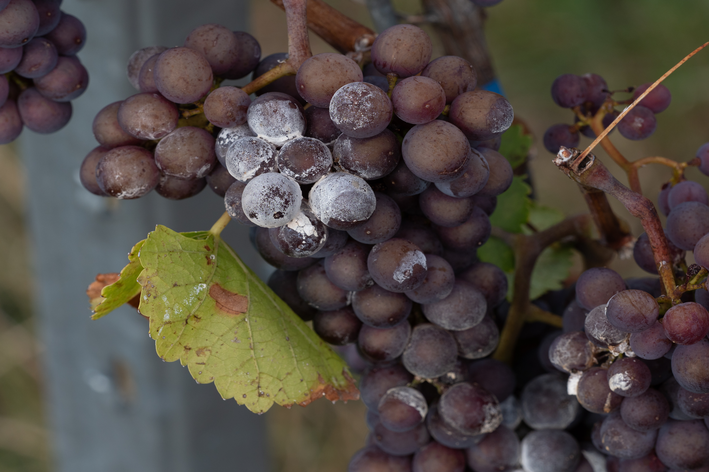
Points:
[(19, 22), (687, 191), (436, 457), (403, 50), (501, 173), (320, 126), (402, 409), (690, 368), (546, 403), (10, 122), (438, 283), (383, 344), (315, 288), (276, 118), (632, 310), (273, 256), (182, 75), (702, 154), (360, 110), (127, 172), (401, 444), (226, 107), (39, 57), (657, 101), (418, 100), (67, 81), (572, 352), (561, 135), (651, 343), (481, 115), (372, 458), (569, 90), (9, 59), (686, 323), (499, 450), (687, 224), (378, 380), (303, 236), (368, 158), (431, 351), (108, 131), (646, 412), (624, 442), (249, 157), (69, 36), (49, 15), (40, 114), (320, 76), (379, 308), (596, 286), (342, 201), (403, 182), (174, 188), (594, 394), (285, 285), (338, 327), (597, 89), (186, 153), (629, 377), (232, 202), (470, 409), (137, 60), (683, 445), (347, 267), (638, 124), (479, 341), (473, 179), (471, 234), (549, 451), (644, 258), (454, 74), (462, 309), (231, 55), (87, 171), (148, 116)]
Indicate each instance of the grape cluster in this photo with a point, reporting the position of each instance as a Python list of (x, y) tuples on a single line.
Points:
[(39, 71), (588, 95)]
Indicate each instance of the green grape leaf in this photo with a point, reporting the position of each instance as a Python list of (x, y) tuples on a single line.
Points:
[(213, 314), (551, 269), (515, 145), (513, 207), (496, 251), (122, 290), (542, 217)]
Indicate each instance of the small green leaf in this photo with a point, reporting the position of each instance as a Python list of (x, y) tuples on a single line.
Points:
[(213, 314), (515, 145), (551, 269), (542, 217), (513, 207), (124, 289), (496, 251)]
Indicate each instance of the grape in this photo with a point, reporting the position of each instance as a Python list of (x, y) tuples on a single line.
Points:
[(702, 153), (175, 188), (478, 341), (480, 114), (459, 373), (378, 80), (230, 55), (596, 286), (701, 251), (226, 139), (148, 116), (186, 153), (460, 260), (670, 389), (500, 174), (690, 368), (431, 352), (594, 394), (69, 36), (550, 451), (662, 197), (342, 201), (469, 235), (569, 90), (638, 124), (360, 110), (438, 283), (686, 323), (488, 279), (182, 75), (642, 253), (383, 344), (226, 107), (19, 22), (543, 350), (87, 171), (272, 255), (382, 225), (379, 308), (597, 89), (338, 327), (646, 412), (284, 84), (462, 309), (494, 376), (471, 181), (651, 343), (49, 15), (373, 459), (446, 435), (38, 59), (418, 100), (397, 265), (271, 200), (127, 172), (629, 377), (232, 202), (435, 457), (305, 160), (574, 317), (401, 181), (454, 74), (470, 409), (303, 236), (108, 131), (378, 380), (347, 267), (511, 412), (403, 50), (10, 122), (657, 101), (285, 285), (422, 236), (9, 59), (619, 440), (546, 403), (320, 126), (687, 223), (499, 450), (561, 135), (318, 291), (402, 409), (600, 331), (633, 311), (401, 444), (648, 463), (683, 444), (368, 158), (41, 114), (694, 405), (443, 210), (249, 157), (320, 76), (65, 82), (687, 191), (137, 60), (276, 118), (146, 76)]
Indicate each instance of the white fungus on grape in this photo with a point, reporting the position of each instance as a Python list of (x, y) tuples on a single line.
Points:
[(271, 200), (303, 236), (276, 118), (249, 157), (304, 160), (227, 137), (342, 200), (405, 269), (408, 396), (360, 110)]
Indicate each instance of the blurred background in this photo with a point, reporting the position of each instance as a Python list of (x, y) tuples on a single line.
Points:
[(80, 395)]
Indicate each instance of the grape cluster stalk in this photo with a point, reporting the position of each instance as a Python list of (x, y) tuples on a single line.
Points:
[(369, 184)]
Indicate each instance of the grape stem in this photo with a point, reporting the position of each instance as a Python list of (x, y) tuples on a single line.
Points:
[(536, 314), (281, 70), (527, 249), (220, 224), (298, 40)]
